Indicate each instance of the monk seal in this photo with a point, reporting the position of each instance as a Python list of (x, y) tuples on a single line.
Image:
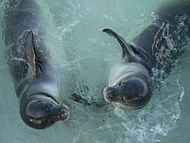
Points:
[(31, 65), (131, 81)]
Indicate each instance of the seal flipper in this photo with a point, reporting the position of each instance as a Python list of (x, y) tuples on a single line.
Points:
[(129, 52), (31, 54), (79, 99)]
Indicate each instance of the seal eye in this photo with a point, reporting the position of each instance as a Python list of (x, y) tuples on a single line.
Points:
[(127, 98), (120, 83), (124, 99)]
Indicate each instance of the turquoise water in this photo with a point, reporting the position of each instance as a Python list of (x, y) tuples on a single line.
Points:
[(85, 56)]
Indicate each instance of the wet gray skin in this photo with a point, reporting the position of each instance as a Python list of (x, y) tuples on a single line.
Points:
[(39, 106), (130, 83), (41, 111), (31, 65), (156, 47), (131, 92)]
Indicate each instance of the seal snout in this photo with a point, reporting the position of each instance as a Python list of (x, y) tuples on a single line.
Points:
[(63, 113), (109, 93)]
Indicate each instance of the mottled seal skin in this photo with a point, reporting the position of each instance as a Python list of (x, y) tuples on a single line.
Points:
[(155, 49), (31, 65)]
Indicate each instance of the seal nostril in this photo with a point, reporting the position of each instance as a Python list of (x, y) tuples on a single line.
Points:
[(64, 112)]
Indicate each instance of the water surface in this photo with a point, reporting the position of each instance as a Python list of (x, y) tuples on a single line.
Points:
[(85, 56)]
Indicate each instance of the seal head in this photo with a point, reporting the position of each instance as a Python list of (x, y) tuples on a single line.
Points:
[(130, 84), (131, 92), (40, 111)]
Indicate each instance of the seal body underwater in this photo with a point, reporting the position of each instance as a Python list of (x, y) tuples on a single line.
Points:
[(31, 65), (156, 48)]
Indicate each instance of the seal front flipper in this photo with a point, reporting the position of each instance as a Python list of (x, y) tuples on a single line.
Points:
[(129, 52), (30, 53)]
